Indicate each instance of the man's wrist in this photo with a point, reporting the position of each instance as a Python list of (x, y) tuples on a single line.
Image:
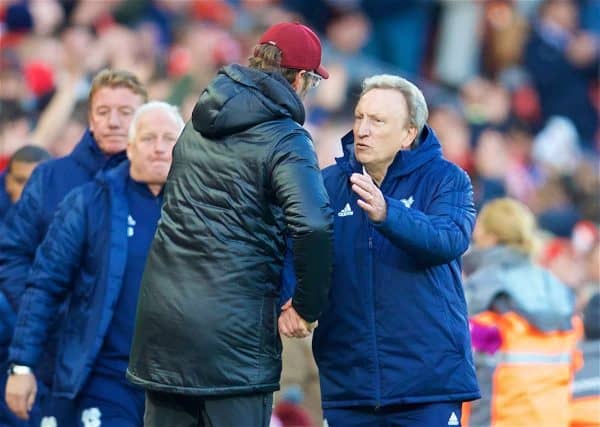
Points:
[(15, 369)]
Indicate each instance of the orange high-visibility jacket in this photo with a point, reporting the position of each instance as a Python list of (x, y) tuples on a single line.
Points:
[(585, 406), (527, 382)]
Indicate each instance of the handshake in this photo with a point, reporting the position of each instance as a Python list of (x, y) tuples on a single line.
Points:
[(291, 325)]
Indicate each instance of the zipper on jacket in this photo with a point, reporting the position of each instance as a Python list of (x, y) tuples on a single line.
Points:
[(372, 313)]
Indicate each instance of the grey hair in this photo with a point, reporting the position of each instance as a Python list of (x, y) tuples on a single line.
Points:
[(172, 110), (415, 101)]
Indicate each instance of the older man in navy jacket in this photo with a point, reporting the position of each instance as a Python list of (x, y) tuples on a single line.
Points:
[(114, 97), (93, 256), (393, 346)]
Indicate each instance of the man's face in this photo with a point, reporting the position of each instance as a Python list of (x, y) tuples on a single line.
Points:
[(17, 177), (151, 150), (564, 13), (380, 127), (111, 111)]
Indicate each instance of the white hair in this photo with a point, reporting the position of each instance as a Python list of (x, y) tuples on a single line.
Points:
[(415, 101), (172, 110)]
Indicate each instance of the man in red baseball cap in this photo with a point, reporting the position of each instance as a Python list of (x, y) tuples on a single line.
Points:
[(300, 47), (294, 51), (244, 180)]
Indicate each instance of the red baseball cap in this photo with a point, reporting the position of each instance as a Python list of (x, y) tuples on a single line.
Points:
[(300, 47)]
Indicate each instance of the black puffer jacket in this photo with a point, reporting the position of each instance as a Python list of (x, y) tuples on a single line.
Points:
[(244, 174)]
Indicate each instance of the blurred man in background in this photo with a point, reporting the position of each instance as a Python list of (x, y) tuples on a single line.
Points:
[(19, 169), (564, 62)]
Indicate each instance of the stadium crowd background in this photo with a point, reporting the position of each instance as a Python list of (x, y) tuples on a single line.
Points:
[(520, 122)]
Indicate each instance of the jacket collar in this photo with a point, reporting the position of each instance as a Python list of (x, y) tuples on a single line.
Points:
[(88, 155), (116, 178)]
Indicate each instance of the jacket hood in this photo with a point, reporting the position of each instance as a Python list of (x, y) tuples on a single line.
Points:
[(240, 98), (405, 162), (533, 292), (475, 258)]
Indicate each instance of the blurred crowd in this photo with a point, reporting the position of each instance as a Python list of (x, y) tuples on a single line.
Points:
[(512, 86)]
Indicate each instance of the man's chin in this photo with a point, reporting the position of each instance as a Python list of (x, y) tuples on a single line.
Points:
[(156, 180), (160, 168), (361, 157), (159, 175)]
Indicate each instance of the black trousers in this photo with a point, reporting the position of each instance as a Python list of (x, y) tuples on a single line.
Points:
[(178, 410)]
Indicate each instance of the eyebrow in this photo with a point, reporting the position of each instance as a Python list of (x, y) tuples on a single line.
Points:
[(372, 115)]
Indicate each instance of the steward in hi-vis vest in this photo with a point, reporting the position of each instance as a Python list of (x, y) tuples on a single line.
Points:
[(523, 329), (585, 404)]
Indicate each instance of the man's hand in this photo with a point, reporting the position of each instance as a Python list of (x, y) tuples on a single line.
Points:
[(371, 198), (291, 324), (20, 394)]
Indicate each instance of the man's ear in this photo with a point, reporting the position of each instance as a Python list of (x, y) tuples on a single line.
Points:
[(128, 150), (297, 83), (411, 135)]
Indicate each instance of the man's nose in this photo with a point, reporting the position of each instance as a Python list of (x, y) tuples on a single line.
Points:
[(363, 128), (114, 120), (161, 145)]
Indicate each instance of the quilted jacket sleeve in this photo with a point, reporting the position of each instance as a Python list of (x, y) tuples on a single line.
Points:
[(50, 278), (441, 233), (298, 186)]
